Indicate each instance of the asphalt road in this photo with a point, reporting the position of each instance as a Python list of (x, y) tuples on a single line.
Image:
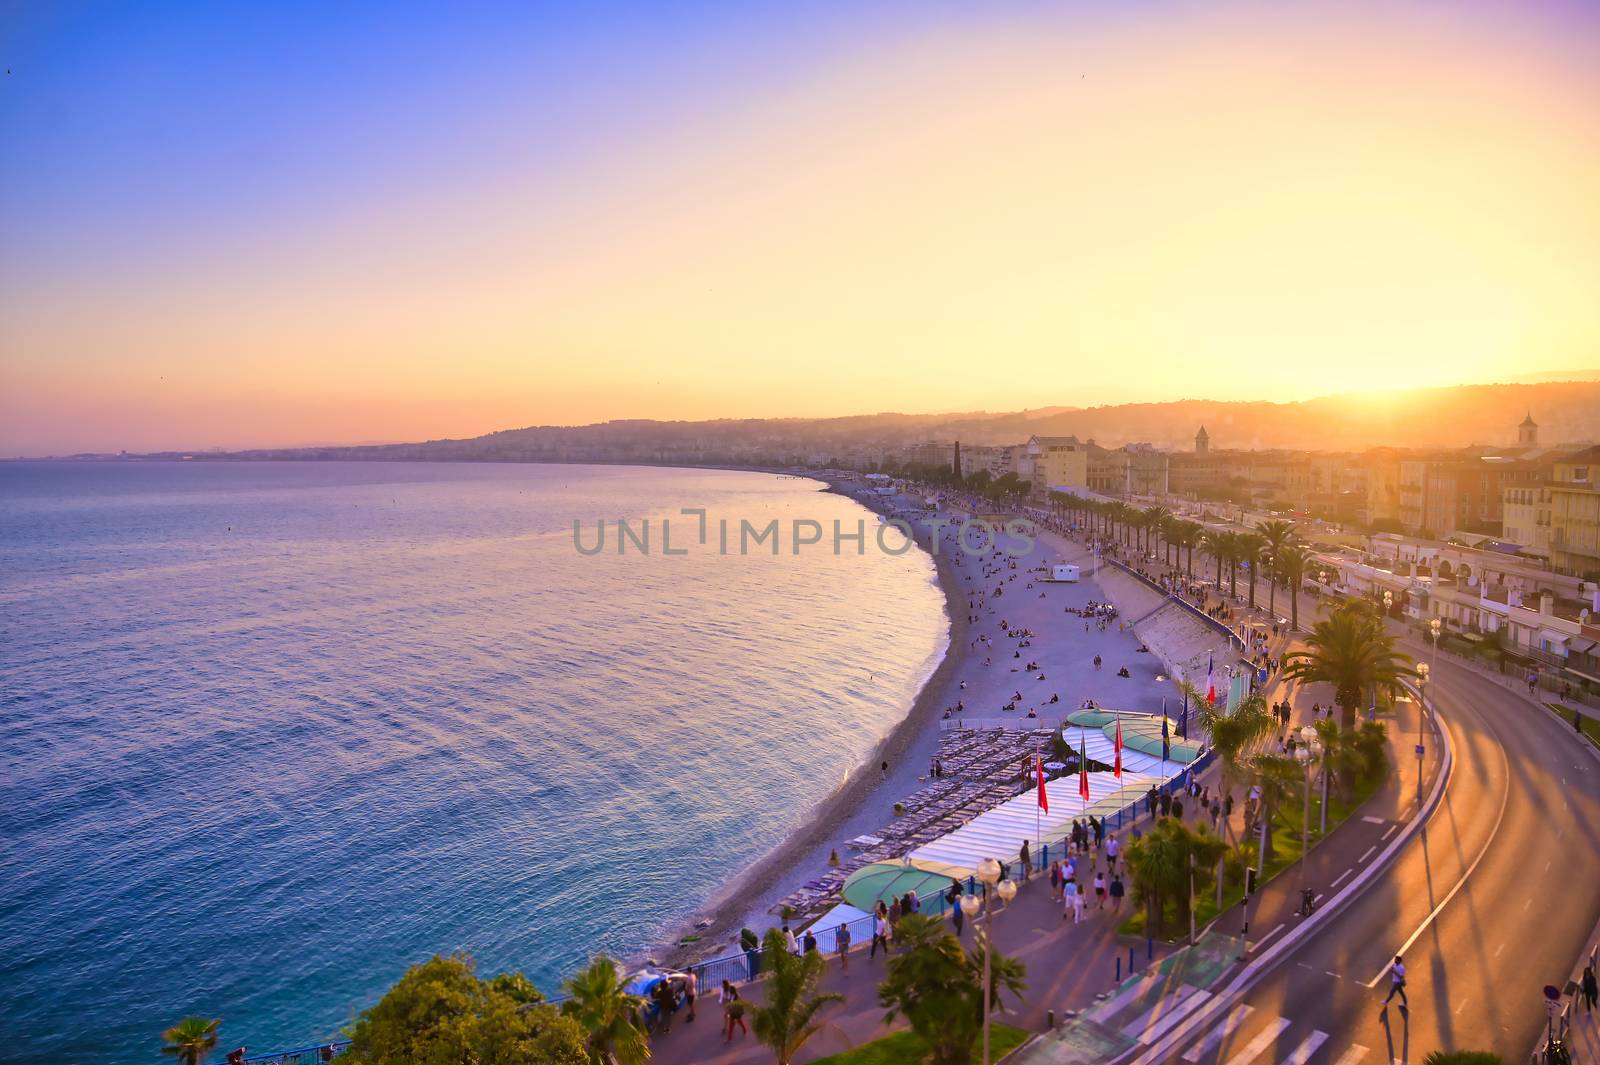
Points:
[(1495, 898)]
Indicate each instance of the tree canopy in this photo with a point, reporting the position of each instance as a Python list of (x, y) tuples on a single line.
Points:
[(440, 1013)]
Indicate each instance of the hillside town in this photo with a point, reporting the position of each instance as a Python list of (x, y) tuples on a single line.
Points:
[(1498, 544)]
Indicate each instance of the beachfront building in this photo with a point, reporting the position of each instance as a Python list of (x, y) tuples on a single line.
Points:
[(1575, 514), (1057, 462), (1525, 518)]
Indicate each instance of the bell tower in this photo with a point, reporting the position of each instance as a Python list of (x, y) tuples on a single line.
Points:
[(1202, 442), (1528, 432)]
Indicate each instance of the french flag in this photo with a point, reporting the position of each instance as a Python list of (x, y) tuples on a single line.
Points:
[(1211, 682)]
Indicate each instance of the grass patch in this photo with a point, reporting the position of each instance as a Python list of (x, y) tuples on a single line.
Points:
[(907, 1048), (1591, 727), (1286, 851)]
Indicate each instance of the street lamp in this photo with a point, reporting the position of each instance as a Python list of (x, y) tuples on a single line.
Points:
[(1308, 751), (1434, 625), (1422, 712), (1388, 603), (989, 874)]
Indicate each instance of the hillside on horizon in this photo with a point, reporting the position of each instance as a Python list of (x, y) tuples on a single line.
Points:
[(1448, 417)]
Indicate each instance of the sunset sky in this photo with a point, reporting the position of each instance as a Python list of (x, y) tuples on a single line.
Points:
[(231, 225)]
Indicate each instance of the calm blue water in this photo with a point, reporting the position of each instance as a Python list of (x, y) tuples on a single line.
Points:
[(269, 733)]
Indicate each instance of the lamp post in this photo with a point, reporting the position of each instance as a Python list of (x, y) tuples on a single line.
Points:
[(1309, 751), (1434, 626), (989, 874), (1422, 712), (1388, 602)]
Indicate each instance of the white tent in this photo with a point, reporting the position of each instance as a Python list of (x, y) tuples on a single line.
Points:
[(999, 832)]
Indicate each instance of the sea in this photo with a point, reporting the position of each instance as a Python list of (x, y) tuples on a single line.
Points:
[(272, 732)]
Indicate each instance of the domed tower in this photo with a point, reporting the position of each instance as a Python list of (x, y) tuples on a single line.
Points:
[(1202, 442), (1528, 432)]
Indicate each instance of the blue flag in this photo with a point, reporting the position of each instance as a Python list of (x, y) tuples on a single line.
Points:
[(1183, 719)]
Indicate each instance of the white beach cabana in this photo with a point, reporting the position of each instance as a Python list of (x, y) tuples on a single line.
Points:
[(999, 832)]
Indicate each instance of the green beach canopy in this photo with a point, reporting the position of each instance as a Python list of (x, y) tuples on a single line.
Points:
[(889, 880)]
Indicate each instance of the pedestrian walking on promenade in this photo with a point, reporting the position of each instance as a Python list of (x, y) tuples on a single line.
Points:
[(1113, 848), (1117, 891), (1078, 901), (896, 911), (1055, 881), (691, 990), (788, 939), (880, 930), (1099, 891), (841, 945), (957, 915), (1397, 984), (1591, 989), (732, 1010), (1177, 808), (1026, 859), (810, 942)]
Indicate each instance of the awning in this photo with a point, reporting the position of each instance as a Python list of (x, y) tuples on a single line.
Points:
[(1581, 644)]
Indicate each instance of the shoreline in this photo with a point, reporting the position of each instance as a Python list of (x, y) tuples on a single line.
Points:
[(826, 826)]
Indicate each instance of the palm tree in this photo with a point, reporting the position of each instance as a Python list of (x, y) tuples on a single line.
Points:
[(938, 986), (789, 1016), (1192, 535), (1351, 651), (1215, 543), (1279, 780), (190, 1038), (609, 1016), (1291, 563), (1234, 736), (1162, 862), (1155, 519), (1251, 548), (1278, 534)]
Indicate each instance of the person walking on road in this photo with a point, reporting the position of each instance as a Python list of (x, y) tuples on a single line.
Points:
[(841, 945), (1591, 989), (1397, 984)]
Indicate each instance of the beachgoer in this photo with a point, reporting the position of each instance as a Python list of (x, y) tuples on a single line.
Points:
[(691, 988), (732, 1010), (880, 930)]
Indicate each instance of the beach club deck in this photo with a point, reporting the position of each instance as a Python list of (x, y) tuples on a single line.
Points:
[(985, 803)]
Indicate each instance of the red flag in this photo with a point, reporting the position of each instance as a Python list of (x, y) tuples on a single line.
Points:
[(1044, 800), (1117, 769), (1083, 772)]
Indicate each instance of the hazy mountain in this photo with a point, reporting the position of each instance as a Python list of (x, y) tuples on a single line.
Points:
[(1437, 417)]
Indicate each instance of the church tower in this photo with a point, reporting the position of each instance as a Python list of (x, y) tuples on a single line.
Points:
[(1202, 442), (1528, 432)]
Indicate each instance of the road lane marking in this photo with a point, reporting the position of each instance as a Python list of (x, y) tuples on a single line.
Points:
[(1497, 951), (1268, 936), (1175, 1015), (1353, 1055), (1366, 817), (1363, 858), (1260, 1042), (1458, 1008), (1392, 830), (1505, 800), (1219, 1033), (1303, 1052), (1341, 876)]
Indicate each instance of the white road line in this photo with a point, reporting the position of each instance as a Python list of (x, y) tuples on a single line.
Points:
[(1497, 951), (1363, 858), (1268, 936), (1505, 799), (1392, 830), (1365, 817), (1353, 1055), (1303, 1052), (1528, 902), (1336, 882), (1461, 1007), (1262, 1040), (1175, 1015), (1219, 1033)]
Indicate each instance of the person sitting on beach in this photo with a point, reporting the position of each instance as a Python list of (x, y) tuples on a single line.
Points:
[(1123, 672)]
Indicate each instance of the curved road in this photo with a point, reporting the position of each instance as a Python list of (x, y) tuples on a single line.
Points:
[(1495, 898)]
